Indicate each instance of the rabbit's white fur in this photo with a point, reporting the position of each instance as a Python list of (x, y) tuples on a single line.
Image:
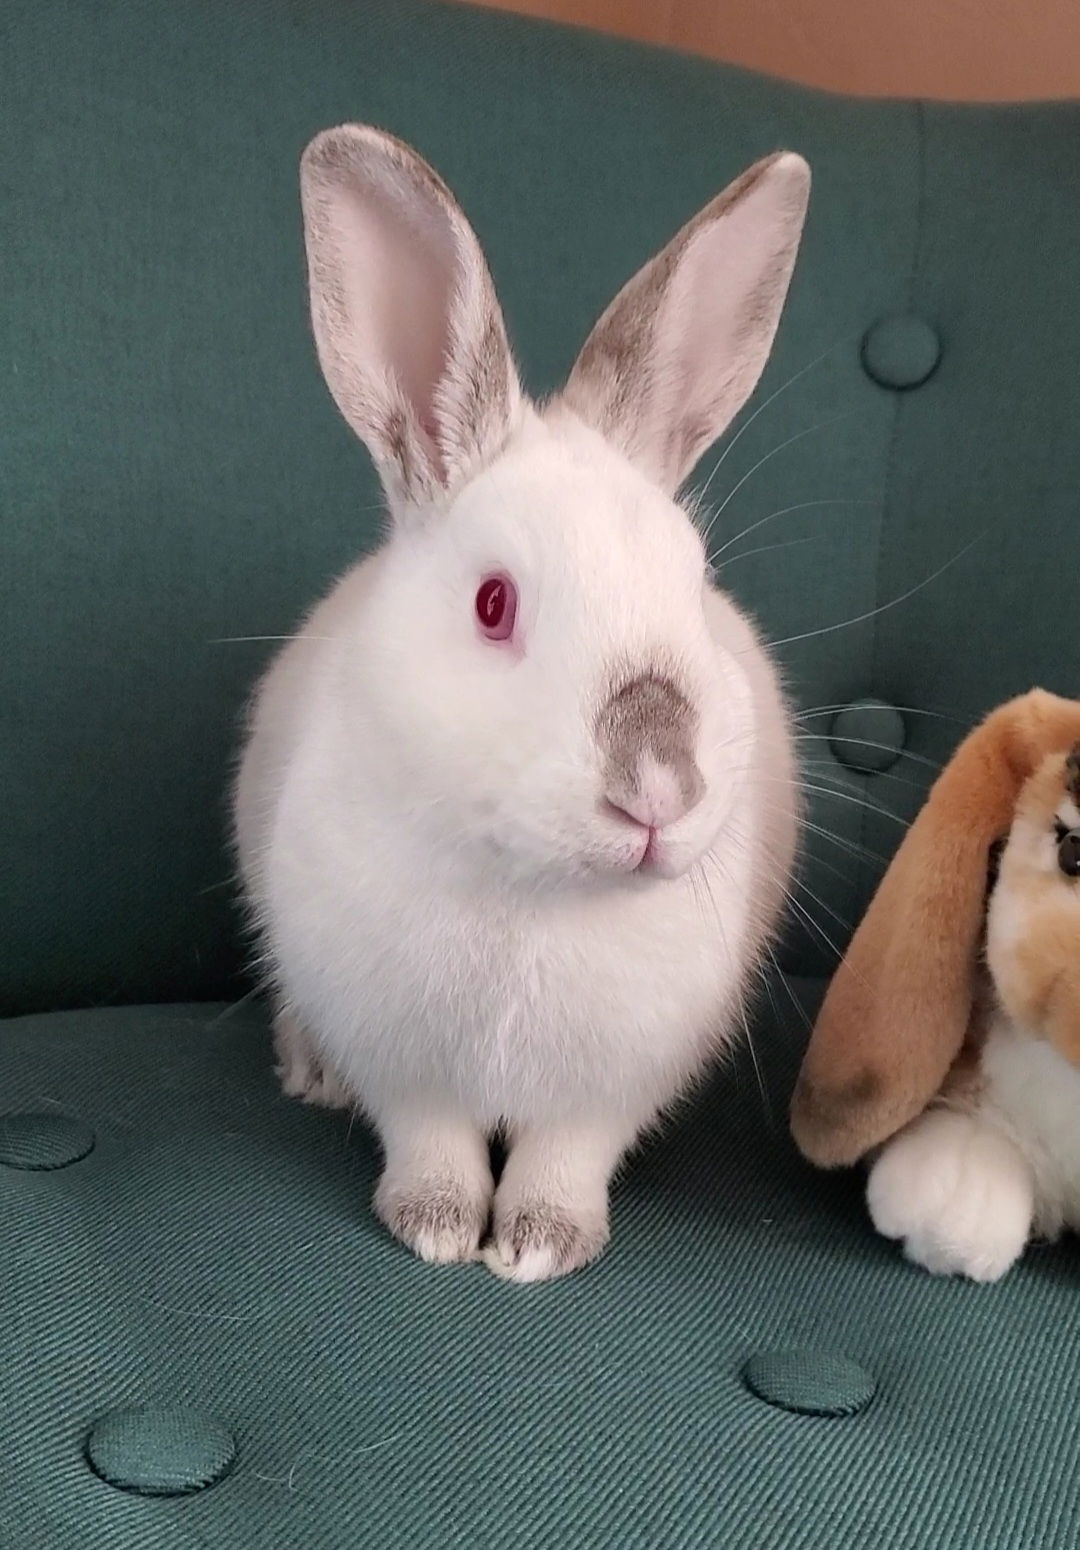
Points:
[(464, 933)]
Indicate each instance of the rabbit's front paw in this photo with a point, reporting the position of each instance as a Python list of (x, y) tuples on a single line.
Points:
[(440, 1218), (551, 1207), (957, 1194), (537, 1240), (435, 1191)]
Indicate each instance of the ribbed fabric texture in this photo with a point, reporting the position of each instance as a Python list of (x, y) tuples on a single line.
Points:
[(216, 1251), (43, 1141), (160, 1450)]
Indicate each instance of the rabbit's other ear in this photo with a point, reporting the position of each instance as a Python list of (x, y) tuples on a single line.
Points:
[(410, 335), (895, 1016), (681, 348)]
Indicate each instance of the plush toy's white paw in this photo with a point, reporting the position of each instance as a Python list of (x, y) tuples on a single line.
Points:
[(957, 1194)]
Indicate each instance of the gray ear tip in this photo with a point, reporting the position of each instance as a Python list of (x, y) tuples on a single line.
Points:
[(360, 157), (327, 152), (342, 147)]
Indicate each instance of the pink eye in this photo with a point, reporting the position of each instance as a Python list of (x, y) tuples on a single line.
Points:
[(496, 607)]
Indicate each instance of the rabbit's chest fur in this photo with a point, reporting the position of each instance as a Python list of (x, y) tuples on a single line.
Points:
[(518, 1007)]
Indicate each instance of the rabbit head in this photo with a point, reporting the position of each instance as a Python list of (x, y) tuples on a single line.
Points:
[(540, 650)]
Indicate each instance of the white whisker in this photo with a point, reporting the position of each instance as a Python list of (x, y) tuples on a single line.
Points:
[(819, 861), (828, 771), (238, 640), (805, 915), (808, 430), (857, 801), (866, 742), (910, 710), (863, 852), (791, 543), (894, 602), (773, 396), (715, 860), (846, 795), (841, 957), (840, 921), (782, 977), (784, 511)]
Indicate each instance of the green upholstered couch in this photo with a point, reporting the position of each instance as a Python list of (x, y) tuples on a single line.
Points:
[(193, 1289)]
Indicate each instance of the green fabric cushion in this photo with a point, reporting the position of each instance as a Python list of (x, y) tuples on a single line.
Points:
[(189, 1262), (901, 352), (215, 1252), (868, 735), (810, 1382), (41, 1142), (173, 475), (160, 1450)]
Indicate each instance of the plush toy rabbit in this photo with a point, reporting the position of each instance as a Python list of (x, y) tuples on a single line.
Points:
[(968, 1007), (516, 810)]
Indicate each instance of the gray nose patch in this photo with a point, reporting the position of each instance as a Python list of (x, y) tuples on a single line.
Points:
[(648, 714)]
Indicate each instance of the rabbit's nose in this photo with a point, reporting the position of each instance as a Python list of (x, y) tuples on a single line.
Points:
[(658, 794)]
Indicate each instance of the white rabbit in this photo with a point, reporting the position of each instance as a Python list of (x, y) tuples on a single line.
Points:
[(516, 811)]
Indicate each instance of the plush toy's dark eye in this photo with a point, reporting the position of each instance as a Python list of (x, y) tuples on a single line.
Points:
[(1069, 853)]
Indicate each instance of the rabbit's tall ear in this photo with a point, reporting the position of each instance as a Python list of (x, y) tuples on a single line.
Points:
[(681, 348), (409, 332), (900, 1004)]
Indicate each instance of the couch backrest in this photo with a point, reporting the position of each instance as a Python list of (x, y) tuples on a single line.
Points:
[(173, 475)]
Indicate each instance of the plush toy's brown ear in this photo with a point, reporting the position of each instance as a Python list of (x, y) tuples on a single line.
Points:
[(898, 1008)]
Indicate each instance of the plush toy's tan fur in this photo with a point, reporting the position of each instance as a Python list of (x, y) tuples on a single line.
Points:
[(903, 1000), (1036, 968)]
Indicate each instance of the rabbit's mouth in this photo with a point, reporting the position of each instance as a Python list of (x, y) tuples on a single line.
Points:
[(637, 855), (663, 857), (647, 850), (648, 855)]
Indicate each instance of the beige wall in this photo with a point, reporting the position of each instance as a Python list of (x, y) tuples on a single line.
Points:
[(978, 49)]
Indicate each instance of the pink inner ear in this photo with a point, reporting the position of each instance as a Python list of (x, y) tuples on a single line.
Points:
[(402, 275), (682, 346), (410, 336)]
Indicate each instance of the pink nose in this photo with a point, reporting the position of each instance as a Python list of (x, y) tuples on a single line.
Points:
[(660, 796)]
